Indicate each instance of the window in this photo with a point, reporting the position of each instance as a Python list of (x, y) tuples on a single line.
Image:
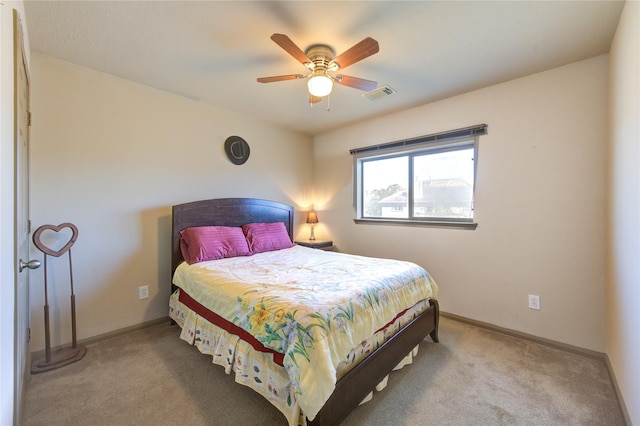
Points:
[(427, 180)]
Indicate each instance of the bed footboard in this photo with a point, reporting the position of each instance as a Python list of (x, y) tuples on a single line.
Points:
[(355, 386)]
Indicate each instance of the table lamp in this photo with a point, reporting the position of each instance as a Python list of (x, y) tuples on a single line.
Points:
[(312, 218)]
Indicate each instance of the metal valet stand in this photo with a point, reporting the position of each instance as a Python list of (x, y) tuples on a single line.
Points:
[(62, 356)]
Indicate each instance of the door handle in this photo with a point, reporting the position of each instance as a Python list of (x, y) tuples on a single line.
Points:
[(32, 264)]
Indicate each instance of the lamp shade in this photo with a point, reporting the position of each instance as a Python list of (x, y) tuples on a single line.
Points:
[(320, 85), (312, 217)]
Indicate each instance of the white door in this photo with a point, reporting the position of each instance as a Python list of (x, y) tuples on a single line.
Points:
[(7, 222), (22, 216), (14, 207), (6, 218)]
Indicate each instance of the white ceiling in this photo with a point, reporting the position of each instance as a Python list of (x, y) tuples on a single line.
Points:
[(213, 51)]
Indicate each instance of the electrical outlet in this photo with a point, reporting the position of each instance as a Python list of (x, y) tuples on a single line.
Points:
[(143, 292), (534, 302)]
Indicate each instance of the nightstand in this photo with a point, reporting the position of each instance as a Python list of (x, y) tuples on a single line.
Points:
[(317, 244)]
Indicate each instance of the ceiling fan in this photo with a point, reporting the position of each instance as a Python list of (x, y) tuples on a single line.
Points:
[(322, 62)]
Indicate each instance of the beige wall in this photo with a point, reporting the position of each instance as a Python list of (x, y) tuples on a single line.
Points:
[(540, 203), (112, 156), (623, 283)]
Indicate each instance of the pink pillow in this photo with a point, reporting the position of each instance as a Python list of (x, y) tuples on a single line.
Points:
[(266, 236), (212, 242)]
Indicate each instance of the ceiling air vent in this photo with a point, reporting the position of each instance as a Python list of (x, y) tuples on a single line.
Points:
[(379, 93)]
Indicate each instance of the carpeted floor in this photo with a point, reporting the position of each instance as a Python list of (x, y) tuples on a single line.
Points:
[(472, 377)]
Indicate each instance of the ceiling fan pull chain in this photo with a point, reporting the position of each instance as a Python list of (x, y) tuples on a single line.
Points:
[(328, 102)]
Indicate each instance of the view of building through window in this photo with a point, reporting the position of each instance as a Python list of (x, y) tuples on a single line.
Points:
[(441, 183)]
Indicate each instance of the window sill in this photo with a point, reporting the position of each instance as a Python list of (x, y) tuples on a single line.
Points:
[(428, 223)]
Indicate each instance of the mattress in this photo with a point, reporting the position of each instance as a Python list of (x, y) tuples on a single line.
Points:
[(313, 310)]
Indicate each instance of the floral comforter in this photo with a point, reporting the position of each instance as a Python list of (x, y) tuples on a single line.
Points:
[(313, 306)]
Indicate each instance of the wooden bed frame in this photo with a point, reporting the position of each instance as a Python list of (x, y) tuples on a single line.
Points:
[(352, 388)]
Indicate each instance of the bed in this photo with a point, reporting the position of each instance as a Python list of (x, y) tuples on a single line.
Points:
[(245, 347)]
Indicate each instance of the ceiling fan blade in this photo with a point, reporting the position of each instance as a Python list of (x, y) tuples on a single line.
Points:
[(355, 82), (290, 47), (280, 78), (364, 49), (314, 99)]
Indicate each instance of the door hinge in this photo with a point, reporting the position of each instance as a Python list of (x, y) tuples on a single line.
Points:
[(28, 334), (29, 226), (29, 118)]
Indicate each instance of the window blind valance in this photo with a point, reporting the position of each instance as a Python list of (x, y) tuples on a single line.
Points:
[(477, 130)]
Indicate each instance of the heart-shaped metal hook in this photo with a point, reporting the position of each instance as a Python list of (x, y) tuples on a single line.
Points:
[(57, 253)]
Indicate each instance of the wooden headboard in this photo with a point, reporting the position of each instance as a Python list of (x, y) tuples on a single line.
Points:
[(225, 212)]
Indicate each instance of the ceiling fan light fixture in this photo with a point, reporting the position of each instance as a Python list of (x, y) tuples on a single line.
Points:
[(320, 85), (322, 61)]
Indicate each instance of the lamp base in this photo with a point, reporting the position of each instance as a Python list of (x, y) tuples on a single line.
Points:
[(312, 237)]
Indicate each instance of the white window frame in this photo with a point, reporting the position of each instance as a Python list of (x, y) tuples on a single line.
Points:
[(430, 144)]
